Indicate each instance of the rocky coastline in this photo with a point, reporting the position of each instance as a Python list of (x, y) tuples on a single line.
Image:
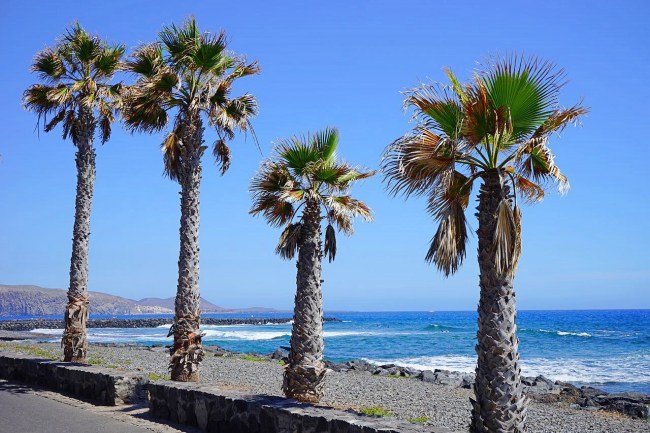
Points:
[(439, 398), (152, 322), (539, 388)]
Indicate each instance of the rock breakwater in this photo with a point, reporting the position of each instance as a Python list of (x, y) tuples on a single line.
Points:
[(153, 322)]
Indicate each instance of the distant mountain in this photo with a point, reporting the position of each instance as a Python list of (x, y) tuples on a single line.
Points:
[(26, 300), (206, 306)]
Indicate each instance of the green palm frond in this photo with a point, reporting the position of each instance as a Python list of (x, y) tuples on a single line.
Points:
[(437, 108), (188, 74), (529, 88), (501, 120), (304, 172), (49, 65), (298, 154), (146, 61), (326, 142), (77, 72)]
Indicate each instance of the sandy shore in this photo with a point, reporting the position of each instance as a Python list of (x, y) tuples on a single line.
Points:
[(405, 398)]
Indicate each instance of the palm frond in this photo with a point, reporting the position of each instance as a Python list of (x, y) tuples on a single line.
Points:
[(108, 61), (479, 114), (447, 249), (146, 61), (343, 221), (437, 108), (414, 163), (529, 87), (55, 120), (530, 191), (330, 243), (298, 155), (49, 65), (340, 176), (221, 153), (460, 92), (535, 160), (172, 154), (507, 238), (559, 120), (289, 241), (347, 205), (326, 142)]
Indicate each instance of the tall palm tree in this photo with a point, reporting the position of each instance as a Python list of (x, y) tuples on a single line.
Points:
[(77, 93), (305, 173), (494, 130), (188, 74)]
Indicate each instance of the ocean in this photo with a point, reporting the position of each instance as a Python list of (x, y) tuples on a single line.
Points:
[(608, 349)]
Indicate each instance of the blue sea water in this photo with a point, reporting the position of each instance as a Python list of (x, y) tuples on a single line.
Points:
[(609, 349)]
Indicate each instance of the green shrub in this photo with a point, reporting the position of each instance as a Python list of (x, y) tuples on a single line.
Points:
[(375, 411)]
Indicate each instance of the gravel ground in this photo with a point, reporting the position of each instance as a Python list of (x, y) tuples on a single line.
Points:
[(405, 398)]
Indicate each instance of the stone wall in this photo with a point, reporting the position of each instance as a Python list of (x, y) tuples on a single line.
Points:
[(101, 385), (208, 407), (217, 410)]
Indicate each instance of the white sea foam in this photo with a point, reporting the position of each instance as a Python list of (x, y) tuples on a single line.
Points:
[(577, 334), (47, 331), (616, 369), (331, 334), (214, 334), (565, 333)]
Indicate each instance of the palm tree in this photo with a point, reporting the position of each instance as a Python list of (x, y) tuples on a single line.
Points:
[(188, 74), (496, 129), (305, 173), (77, 93)]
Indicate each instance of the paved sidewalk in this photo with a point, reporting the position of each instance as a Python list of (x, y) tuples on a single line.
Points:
[(32, 410)]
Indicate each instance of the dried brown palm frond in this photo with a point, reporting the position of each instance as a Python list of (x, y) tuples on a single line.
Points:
[(171, 149), (535, 161), (289, 241), (413, 163), (507, 234), (330, 243), (346, 205), (560, 119), (221, 153), (447, 248), (530, 191)]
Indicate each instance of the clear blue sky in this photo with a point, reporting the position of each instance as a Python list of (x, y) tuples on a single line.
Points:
[(343, 64)]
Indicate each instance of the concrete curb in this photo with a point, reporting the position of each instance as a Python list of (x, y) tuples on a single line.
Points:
[(101, 385), (209, 408), (217, 410)]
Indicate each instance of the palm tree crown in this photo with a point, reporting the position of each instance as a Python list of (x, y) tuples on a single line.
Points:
[(193, 73), (306, 170), (500, 122), (77, 74)]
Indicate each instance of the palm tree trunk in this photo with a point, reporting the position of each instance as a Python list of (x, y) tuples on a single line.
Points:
[(74, 342), (187, 351), (500, 405), (304, 373)]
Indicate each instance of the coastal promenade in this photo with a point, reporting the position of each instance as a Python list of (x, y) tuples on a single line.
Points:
[(33, 410)]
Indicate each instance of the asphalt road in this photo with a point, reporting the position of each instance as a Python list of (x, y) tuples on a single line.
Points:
[(28, 410)]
